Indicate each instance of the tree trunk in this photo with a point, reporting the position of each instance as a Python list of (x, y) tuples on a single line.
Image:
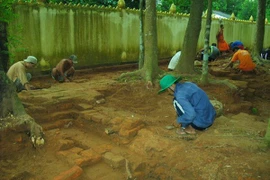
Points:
[(9, 98), (204, 78), (12, 112), (186, 62), (150, 67), (149, 71), (3, 47), (141, 55), (260, 28)]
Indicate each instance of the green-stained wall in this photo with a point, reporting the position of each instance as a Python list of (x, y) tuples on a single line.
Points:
[(105, 35)]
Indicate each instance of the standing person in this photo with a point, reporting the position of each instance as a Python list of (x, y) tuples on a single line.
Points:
[(222, 44), (64, 70), (193, 107), (245, 61), (17, 73), (174, 61)]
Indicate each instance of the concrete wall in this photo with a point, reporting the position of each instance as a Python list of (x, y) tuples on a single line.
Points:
[(105, 35)]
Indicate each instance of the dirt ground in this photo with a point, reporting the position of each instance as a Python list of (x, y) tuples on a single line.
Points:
[(98, 128)]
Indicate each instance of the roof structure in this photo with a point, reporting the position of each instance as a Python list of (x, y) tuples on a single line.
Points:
[(219, 14)]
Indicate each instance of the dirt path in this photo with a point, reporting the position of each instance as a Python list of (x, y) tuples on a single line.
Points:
[(99, 128)]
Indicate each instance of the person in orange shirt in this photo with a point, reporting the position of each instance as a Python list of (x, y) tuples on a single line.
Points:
[(221, 43), (245, 61)]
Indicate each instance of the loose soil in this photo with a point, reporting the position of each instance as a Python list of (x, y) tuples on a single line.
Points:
[(99, 128)]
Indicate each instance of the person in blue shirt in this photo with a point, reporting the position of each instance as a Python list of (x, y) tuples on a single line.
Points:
[(236, 44), (193, 107)]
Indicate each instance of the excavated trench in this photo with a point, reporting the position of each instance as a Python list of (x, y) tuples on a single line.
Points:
[(98, 128)]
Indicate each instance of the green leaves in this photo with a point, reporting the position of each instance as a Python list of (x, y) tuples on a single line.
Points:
[(6, 13)]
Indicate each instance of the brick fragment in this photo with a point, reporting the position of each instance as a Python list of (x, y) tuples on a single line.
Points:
[(71, 174), (88, 157), (114, 160)]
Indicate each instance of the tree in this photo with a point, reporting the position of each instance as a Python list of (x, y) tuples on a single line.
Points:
[(267, 8), (12, 112), (6, 15), (150, 41), (141, 55), (260, 28), (182, 6), (220, 5), (150, 69), (248, 8), (186, 62), (204, 78)]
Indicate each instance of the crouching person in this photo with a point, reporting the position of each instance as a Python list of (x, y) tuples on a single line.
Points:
[(64, 70), (193, 107), (246, 63), (17, 73)]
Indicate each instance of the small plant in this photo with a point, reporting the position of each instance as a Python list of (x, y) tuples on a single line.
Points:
[(254, 111)]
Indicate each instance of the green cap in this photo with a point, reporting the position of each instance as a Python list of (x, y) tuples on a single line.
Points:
[(31, 59), (167, 81), (73, 58)]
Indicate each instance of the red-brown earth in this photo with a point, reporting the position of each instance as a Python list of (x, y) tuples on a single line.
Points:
[(99, 128)]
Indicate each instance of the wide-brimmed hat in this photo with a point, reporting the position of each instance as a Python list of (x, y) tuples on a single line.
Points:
[(31, 59), (73, 58), (167, 81)]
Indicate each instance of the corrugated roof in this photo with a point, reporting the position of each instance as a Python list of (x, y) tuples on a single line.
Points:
[(220, 14)]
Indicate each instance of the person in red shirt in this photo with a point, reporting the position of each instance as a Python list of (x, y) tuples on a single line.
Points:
[(221, 43), (64, 70), (245, 61)]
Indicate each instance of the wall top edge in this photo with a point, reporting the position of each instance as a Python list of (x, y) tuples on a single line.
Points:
[(106, 8)]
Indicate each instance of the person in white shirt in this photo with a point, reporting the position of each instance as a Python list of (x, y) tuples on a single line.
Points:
[(17, 73), (174, 61)]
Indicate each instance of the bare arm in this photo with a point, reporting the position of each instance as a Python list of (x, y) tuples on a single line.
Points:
[(229, 65), (28, 86), (64, 66), (60, 67)]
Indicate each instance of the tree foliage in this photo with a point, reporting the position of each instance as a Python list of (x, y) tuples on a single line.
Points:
[(182, 6), (6, 13), (267, 9), (249, 8)]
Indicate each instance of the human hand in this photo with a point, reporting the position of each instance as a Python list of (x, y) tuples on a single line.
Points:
[(29, 87), (32, 87)]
